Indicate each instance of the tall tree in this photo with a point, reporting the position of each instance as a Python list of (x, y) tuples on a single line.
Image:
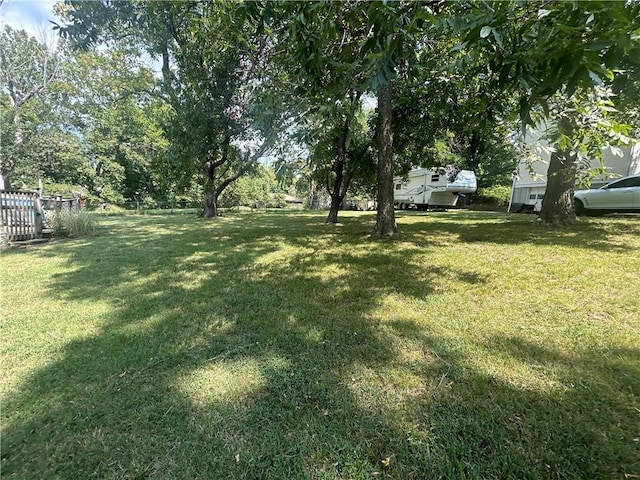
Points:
[(352, 45), (580, 127), (328, 94), (93, 128), (338, 143), (351, 155), (27, 67), (453, 118), (540, 49), (112, 94), (210, 72)]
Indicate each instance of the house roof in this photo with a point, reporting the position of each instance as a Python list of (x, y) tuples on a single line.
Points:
[(292, 199)]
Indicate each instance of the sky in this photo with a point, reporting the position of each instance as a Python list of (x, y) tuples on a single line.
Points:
[(34, 16), (30, 15)]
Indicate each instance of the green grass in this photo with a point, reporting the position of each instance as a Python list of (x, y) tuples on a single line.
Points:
[(270, 345)]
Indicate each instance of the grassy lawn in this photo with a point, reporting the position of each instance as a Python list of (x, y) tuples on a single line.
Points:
[(271, 346)]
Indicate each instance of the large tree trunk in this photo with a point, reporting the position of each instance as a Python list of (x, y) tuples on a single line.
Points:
[(337, 193), (386, 219), (634, 165), (332, 218), (557, 205), (475, 148), (210, 202), (312, 196)]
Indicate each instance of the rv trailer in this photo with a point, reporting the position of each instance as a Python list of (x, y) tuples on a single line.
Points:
[(432, 188), (530, 182)]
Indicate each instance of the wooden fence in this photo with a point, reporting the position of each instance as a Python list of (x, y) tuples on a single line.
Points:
[(20, 215)]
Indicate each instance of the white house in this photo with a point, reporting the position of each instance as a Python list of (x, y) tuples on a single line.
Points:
[(530, 182)]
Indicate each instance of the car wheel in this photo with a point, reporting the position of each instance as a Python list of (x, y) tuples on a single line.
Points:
[(579, 207)]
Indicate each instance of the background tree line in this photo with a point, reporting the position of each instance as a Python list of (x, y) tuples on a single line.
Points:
[(342, 95)]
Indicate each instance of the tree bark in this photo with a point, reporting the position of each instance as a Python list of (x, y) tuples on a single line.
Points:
[(210, 202), (332, 218), (210, 199), (312, 196), (337, 193), (634, 165), (386, 220), (557, 206)]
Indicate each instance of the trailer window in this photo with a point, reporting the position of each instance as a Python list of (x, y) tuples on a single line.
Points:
[(532, 196), (398, 186), (435, 178), (541, 196)]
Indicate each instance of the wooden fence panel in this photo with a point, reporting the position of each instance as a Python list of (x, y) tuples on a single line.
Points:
[(18, 215)]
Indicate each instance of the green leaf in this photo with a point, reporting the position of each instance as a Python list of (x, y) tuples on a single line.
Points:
[(577, 78), (595, 78), (545, 106), (543, 13), (458, 47), (525, 113), (613, 56), (498, 38), (504, 75), (485, 31), (369, 45), (634, 56)]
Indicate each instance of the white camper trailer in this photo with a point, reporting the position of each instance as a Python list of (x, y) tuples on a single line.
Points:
[(426, 188), (530, 183)]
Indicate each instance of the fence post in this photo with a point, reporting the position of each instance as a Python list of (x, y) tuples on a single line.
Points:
[(39, 214), (4, 217)]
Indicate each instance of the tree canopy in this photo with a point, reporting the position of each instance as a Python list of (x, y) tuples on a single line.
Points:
[(236, 82)]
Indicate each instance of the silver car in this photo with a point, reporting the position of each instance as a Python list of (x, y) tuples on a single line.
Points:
[(621, 195)]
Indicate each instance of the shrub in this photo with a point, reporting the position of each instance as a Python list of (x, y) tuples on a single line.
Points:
[(74, 225), (495, 196), (149, 203)]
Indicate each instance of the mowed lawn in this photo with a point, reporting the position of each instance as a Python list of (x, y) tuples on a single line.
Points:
[(271, 346)]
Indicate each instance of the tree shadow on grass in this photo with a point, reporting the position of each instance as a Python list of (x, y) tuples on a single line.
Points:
[(257, 333), (488, 424), (495, 228), (223, 356)]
